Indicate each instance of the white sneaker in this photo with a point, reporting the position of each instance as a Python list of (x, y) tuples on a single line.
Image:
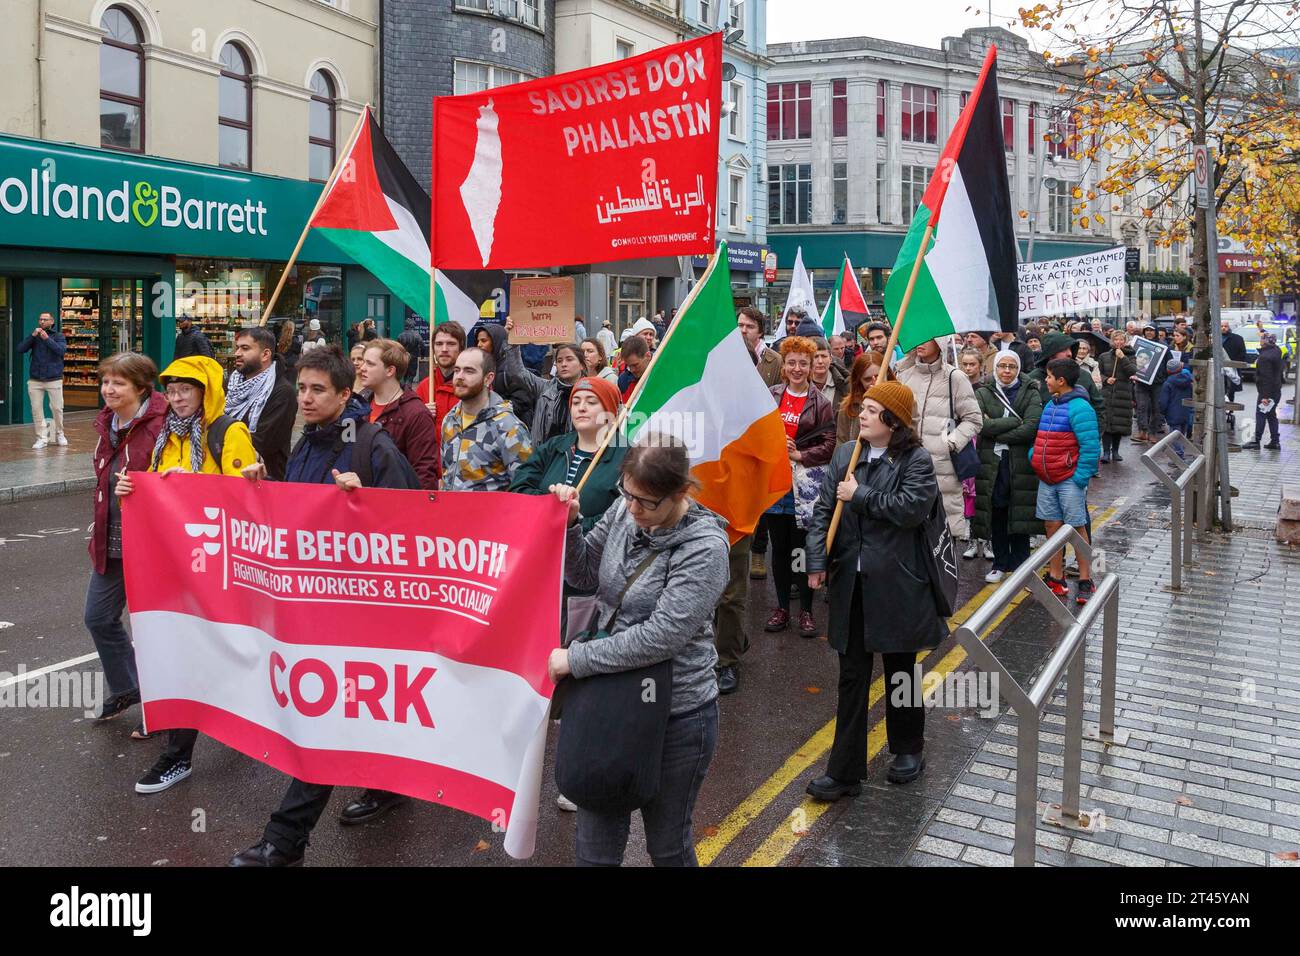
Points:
[(564, 803), (986, 549), (63, 439), (40, 443), (972, 549), (993, 577)]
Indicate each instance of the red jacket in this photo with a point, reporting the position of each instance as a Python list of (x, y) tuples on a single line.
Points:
[(133, 451), (411, 427), (444, 397)]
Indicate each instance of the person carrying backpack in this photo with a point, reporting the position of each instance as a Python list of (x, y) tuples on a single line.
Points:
[(339, 446), (197, 436)]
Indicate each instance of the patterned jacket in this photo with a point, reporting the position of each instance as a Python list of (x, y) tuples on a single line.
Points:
[(484, 456)]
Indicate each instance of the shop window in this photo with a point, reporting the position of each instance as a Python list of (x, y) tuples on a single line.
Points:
[(222, 296), (121, 82), (235, 109), (320, 127), (629, 299)]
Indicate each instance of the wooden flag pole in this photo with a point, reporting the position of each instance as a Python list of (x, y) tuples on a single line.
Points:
[(884, 375), (622, 414), (320, 201)]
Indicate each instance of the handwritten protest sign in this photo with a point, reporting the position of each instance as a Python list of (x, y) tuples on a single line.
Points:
[(542, 311)]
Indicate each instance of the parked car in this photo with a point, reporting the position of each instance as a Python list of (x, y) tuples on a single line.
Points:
[(1286, 341)]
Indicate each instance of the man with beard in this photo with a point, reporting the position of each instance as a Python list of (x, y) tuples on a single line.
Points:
[(261, 399), (437, 391), (483, 443)]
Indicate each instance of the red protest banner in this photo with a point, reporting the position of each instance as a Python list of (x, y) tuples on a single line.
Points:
[(617, 161), (387, 639)]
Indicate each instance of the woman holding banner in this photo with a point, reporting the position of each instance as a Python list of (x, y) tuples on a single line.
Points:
[(198, 437), (881, 600), (659, 563), (128, 427)]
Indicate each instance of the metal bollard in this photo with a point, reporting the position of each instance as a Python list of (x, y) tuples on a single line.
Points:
[(1181, 529)]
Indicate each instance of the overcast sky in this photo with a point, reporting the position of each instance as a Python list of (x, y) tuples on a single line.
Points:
[(920, 22)]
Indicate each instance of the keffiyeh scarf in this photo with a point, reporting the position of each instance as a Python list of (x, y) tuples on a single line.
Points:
[(180, 427), (249, 395)]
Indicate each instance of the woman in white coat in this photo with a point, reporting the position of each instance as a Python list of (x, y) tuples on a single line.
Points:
[(944, 428)]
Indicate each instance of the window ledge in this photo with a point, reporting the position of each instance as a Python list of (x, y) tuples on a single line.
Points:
[(501, 18)]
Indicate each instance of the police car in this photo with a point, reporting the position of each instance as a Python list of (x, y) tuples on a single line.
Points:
[(1286, 341)]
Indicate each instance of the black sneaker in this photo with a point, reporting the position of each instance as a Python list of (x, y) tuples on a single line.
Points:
[(1086, 590), (164, 773), (116, 706)]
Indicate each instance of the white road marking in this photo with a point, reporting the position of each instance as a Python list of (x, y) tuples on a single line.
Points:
[(40, 671)]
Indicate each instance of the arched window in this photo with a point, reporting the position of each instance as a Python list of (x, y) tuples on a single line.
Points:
[(235, 106), (320, 128), (121, 82)]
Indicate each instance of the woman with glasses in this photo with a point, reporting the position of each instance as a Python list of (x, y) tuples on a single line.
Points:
[(674, 551), (188, 441), (809, 420)]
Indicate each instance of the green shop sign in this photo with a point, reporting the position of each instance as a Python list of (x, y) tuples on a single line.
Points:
[(73, 197)]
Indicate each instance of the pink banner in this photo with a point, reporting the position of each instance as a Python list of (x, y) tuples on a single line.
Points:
[(388, 639)]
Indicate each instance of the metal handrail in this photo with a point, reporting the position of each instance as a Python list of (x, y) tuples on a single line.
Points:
[(1181, 527), (1068, 660)]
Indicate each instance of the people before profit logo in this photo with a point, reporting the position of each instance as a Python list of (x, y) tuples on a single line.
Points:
[(362, 683), (198, 530), (76, 909)]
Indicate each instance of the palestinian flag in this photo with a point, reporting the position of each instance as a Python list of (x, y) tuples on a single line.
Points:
[(846, 308), (967, 280), (378, 215), (702, 387)]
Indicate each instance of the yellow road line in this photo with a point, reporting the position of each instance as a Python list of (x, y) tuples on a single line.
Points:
[(783, 839)]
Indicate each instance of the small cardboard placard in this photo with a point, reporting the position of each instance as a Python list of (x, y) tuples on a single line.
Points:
[(542, 311)]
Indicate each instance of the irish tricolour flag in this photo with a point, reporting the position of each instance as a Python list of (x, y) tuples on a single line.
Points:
[(378, 215), (702, 387), (846, 309), (967, 279)]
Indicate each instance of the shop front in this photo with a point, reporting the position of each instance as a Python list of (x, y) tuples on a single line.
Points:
[(117, 247)]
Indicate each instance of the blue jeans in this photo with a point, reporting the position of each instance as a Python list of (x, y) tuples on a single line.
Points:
[(688, 747), (105, 602)]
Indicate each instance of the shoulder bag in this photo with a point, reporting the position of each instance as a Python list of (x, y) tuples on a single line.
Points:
[(610, 752), (966, 462)]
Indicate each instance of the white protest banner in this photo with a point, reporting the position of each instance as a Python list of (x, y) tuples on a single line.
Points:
[(1078, 284)]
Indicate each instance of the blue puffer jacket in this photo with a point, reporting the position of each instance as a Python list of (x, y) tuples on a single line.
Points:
[(1176, 388), (47, 356), (313, 459), (1068, 435)]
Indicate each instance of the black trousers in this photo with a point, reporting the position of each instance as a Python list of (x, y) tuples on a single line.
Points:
[(1010, 551), (787, 538), (291, 824), (180, 744), (904, 723), (1110, 443)]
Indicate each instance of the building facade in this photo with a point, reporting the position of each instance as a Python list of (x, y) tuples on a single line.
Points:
[(158, 161), (854, 128)]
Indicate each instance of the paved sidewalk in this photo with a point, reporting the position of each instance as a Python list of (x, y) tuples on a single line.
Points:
[(1209, 689), (54, 470)]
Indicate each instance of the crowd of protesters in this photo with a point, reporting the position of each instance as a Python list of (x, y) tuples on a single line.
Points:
[(995, 435)]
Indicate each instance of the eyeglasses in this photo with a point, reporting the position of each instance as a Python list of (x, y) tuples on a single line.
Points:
[(180, 391), (647, 504)]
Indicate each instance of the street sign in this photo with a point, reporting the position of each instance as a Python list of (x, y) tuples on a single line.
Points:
[(1132, 260), (769, 267), (1201, 175)]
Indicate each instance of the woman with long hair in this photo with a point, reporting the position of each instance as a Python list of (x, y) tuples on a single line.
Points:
[(1118, 370), (595, 362), (878, 575), (866, 369)]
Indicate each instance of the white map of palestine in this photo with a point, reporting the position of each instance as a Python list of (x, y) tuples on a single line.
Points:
[(481, 190)]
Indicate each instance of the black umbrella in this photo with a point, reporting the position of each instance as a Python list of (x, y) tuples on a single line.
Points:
[(1098, 342)]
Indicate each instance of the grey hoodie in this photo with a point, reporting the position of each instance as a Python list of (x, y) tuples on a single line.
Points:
[(668, 612)]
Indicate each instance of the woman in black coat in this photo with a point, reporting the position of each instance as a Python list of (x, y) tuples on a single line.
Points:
[(881, 602), (1117, 372), (1006, 488)]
